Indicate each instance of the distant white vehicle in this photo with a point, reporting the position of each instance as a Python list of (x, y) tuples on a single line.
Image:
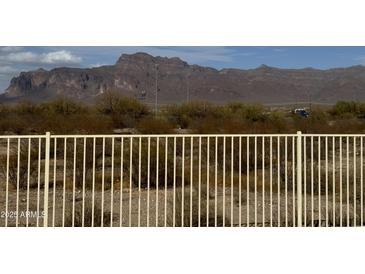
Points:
[(301, 112), (142, 95)]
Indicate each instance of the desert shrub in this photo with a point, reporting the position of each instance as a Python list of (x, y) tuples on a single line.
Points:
[(20, 118), (153, 163), (63, 106), (13, 123), (251, 112), (4, 109), (341, 108), (26, 107), (125, 111), (60, 116), (206, 125), (348, 108), (183, 115), (59, 124), (209, 118), (277, 123), (154, 126), (21, 171), (175, 115)]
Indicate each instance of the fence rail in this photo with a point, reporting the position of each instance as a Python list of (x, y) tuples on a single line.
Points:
[(182, 180)]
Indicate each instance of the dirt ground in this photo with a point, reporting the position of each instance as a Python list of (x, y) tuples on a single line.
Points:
[(147, 208)]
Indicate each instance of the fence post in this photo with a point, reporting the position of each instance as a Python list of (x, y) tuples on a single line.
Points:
[(299, 177), (46, 178)]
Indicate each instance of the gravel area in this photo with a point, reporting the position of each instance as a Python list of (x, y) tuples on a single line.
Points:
[(147, 208)]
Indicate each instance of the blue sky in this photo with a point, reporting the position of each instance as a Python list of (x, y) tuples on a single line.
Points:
[(13, 60)]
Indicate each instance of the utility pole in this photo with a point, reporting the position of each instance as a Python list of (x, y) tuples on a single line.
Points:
[(310, 101), (187, 89), (156, 88)]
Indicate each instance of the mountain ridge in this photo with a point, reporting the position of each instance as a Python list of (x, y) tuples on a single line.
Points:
[(177, 81)]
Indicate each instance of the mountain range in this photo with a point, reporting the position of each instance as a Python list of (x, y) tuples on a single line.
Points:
[(138, 75)]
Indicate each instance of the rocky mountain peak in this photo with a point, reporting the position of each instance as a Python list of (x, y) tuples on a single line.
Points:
[(140, 57), (135, 75), (147, 59)]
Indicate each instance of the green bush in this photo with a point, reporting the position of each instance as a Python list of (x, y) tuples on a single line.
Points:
[(251, 112), (184, 115), (350, 108), (125, 111)]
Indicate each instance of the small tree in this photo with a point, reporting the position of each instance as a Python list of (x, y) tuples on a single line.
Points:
[(125, 111)]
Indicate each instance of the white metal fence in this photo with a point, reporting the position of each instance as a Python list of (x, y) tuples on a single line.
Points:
[(182, 180)]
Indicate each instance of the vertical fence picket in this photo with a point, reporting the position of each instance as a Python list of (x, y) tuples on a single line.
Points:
[(46, 178), (240, 181), (319, 184), (334, 181), (93, 185), (74, 183), (248, 181), (326, 174), (224, 181), (64, 182), (111, 184), (278, 179), (263, 181), (165, 196), (208, 187), (157, 174), (28, 184), (341, 167), (17, 186), (174, 186), (299, 179), (271, 181), (7, 184), (216, 181), (130, 180), (361, 182), (255, 179), (182, 181), (232, 180), (354, 181), (121, 180), (54, 181), (139, 179)]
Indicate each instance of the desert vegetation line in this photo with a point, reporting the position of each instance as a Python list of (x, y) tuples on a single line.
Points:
[(113, 113)]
